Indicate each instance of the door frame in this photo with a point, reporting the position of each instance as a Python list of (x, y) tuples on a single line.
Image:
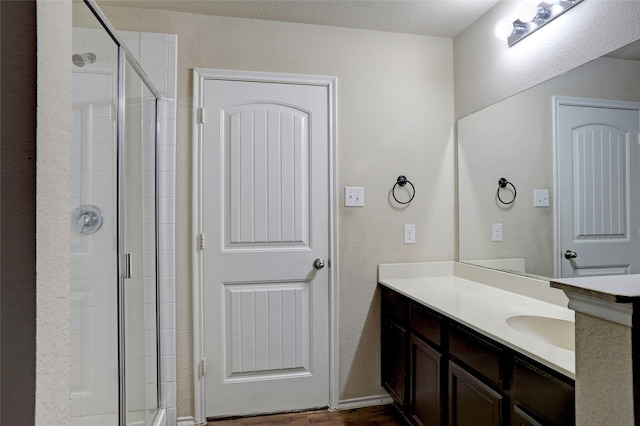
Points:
[(559, 101), (199, 77)]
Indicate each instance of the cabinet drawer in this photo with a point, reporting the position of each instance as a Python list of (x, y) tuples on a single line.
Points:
[(394, 306), (426, 323), (547, 397), (478, 353)]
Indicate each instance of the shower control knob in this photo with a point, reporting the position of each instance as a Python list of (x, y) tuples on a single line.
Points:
[(570, 254)]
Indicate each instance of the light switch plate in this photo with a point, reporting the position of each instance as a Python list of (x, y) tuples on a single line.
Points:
[(353, 196)]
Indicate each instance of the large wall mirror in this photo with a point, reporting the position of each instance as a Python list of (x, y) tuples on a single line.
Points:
[(519, 139)]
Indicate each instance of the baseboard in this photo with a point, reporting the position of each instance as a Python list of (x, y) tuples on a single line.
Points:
[(187, 421), (345, 404), (367, 401)]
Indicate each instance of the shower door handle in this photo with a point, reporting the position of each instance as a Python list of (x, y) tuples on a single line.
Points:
[(126, 266)]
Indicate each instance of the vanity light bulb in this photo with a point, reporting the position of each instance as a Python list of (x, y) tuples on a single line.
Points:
[(504, 29), (527, 12)]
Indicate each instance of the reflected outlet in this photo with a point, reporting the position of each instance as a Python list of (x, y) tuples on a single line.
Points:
[(496, 232), (409, 234)]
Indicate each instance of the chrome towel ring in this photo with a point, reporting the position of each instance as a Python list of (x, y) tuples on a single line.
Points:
[(502, 183), (402, 181)]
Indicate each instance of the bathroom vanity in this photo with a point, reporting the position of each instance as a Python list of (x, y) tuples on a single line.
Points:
[(456, 350)]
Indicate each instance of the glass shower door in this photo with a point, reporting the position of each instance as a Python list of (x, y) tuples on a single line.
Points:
[(94, 227), (138, 234)]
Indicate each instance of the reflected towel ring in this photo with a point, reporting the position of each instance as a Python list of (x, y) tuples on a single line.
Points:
[(502, 183), (402, 181)]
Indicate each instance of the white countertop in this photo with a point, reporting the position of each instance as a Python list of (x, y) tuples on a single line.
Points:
[(483, 308)]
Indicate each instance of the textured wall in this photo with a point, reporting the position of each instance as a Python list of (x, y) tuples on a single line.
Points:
[(604, 385), (53, 192), (395, 116), (487, 70)]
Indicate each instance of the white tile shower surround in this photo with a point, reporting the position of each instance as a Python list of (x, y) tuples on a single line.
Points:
[(157, 54)]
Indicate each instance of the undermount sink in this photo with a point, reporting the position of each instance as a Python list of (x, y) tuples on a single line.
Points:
[(554, 331)]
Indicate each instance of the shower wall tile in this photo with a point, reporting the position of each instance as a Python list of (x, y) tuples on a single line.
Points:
[(167, 290), (167, 316), (168, 343), (155, 49), (167, 158), (167, 237), (158, 75), (167, 207), (166, 264), (168, 368), (132, 40), (166, 185)]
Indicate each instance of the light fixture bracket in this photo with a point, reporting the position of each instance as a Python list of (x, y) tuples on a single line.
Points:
[(546, 12)]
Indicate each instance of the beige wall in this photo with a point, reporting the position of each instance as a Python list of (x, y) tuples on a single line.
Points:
[(487, 70), (53, 192), (395, 116)]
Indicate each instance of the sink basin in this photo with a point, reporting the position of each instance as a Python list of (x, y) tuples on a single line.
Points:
[(555, 331)]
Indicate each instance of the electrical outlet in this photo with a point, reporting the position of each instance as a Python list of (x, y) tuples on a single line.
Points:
[(409, 234), (496, 232), (354, 196), (541, 198)]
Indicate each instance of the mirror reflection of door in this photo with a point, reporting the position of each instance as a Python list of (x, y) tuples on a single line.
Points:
[(598, 158)]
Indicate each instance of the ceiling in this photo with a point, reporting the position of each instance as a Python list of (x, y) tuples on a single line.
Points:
[(440, 18)]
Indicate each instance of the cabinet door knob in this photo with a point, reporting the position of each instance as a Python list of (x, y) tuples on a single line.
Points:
[(570, 254)]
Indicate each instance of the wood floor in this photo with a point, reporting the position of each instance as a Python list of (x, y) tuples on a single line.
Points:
[(386, 415)]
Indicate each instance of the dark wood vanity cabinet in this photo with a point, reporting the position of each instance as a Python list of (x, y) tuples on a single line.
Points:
[(394, 342), (440, 372), (425, 382)]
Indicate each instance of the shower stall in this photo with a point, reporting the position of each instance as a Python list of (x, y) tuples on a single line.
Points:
[(116, 374)]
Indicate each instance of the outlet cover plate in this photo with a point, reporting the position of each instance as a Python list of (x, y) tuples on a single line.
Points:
[(541, 198)]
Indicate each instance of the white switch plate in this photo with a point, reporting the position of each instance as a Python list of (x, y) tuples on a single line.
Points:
[(541, 198), (409, 233), (496, 232), (353, 196)]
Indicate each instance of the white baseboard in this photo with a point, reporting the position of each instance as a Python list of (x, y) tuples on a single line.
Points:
[(345, 404), (186, 421), (367, 401)]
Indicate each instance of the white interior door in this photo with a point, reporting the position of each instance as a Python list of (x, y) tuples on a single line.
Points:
[(598, 189), (265, 218)]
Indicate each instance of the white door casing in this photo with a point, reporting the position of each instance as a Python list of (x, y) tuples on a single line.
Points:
[(598, 186), (264, 212)]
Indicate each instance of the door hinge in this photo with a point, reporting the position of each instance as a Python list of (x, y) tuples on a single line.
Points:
[(201, 241), (200, 115), (203, 367)]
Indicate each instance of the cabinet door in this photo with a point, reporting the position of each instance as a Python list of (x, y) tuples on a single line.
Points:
[(545, 396), (471, 402), (520, 418), (394, 342), (426, 385)]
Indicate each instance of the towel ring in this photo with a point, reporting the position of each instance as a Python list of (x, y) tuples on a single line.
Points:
[(502, 183), (402, 181)]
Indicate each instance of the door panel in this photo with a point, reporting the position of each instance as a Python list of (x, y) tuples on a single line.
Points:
[(598, 159), (265, 189)]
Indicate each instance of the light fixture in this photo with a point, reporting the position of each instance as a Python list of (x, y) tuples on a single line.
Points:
[(532, 17)]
